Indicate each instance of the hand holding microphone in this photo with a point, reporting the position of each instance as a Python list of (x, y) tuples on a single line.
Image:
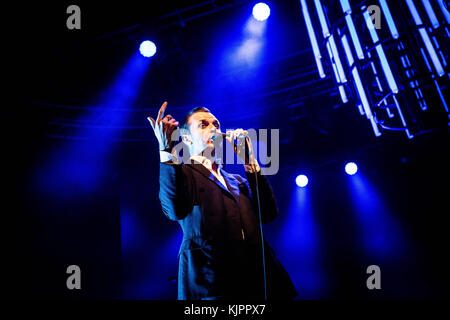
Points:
[(232, 134), (243, 148)]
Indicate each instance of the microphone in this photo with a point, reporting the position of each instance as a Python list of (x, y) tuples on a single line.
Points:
[(225, 135)]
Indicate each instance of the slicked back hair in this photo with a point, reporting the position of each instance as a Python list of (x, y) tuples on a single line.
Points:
[(184, 126)]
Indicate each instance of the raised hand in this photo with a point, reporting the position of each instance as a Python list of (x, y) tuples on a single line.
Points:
[(163, 127)]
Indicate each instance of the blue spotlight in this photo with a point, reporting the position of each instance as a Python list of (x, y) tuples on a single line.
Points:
[(301, 180), (351, 168), (147, 48), (261, 11)]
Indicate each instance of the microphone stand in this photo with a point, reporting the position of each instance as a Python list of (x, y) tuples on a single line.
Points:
[(248, 142), (260, 220)]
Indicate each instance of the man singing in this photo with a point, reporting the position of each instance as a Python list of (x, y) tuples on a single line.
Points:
[(221, 253)]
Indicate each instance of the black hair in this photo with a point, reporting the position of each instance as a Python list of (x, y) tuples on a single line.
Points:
[(184, 127)]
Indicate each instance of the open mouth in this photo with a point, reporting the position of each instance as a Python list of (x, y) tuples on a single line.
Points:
[(212, 138)]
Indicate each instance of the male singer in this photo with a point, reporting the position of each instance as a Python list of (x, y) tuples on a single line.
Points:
[(221, 253)]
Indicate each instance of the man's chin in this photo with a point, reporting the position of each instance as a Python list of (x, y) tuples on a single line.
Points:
[(210, 149)]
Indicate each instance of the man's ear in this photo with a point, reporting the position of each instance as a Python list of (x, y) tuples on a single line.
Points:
[(186, 138)]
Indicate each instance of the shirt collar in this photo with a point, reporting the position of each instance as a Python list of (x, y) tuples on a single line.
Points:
[(205, 161)]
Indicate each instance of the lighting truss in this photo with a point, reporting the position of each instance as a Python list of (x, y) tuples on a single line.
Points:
[(396, 57)]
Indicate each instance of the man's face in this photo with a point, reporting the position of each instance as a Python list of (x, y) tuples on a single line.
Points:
[(201, 125)]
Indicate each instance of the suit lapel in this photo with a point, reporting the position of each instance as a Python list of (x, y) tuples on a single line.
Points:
[(232, 184), (205, 172)]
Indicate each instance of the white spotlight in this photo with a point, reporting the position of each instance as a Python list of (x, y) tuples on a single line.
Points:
[(147, 48), (261, 11), (301, 180), (351, 168)]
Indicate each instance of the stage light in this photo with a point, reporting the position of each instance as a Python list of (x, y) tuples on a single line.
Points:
[(351, 168), (381, 55), (376, 101), (312, 38), (261, 11), (426, 39), (389, 19), (301, 180), (359, 86), (147, 48)]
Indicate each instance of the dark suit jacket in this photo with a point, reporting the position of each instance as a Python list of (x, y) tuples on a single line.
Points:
[(220, 256)]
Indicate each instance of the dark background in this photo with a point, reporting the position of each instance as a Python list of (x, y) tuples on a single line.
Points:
[(105, 215)]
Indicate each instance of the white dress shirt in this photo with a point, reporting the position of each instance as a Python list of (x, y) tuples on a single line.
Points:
[(167, 156), (208, 165)]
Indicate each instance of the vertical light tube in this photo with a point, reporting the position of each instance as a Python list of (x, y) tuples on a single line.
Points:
[(345, 4), (389, 113), (402, 58), (337, 60), (441, 95), (384, 63), (414, 12), (356, 77), (431, 15), (347, 50), (417, 95), (323, 21), (443, 58), (390, 21), (426, 60), (434, 58), (312, 38), (360, 108), (343, 95), (359, 86), (400, 113), (378, 83), (354, 36), (326, 34), (407, 60), (336, 75), (422, 103), (373, 122), (444, 10), (413, 83), (436, 44), (426, 39), (377, 79), (373, 68)]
